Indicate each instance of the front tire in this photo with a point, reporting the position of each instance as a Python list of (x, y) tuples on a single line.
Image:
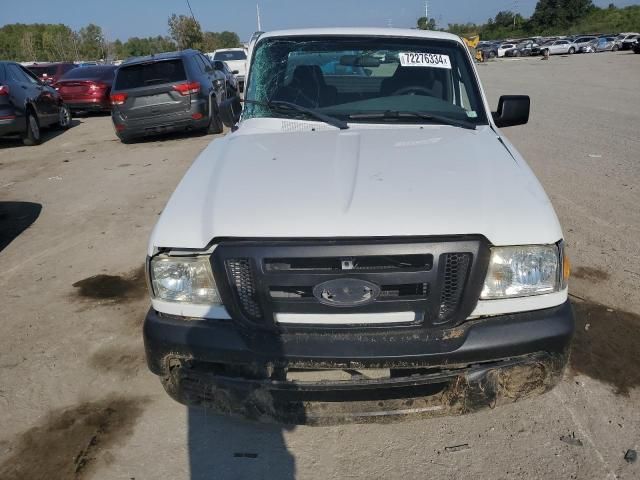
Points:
[(33, 135), (572, 51), (615, 48), (215, 122)]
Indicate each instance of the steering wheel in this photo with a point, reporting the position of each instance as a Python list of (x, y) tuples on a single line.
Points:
[(413, 91)]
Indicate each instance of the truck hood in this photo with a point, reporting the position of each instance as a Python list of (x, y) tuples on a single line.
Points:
[(362, 182)]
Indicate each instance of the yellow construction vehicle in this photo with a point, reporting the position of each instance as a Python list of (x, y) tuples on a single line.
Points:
[(472, 44)]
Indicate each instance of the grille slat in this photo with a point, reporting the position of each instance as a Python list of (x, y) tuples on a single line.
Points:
[(456, 269), (243, 283)]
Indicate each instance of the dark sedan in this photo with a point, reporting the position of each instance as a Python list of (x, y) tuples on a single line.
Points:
[(232, 81), (51, 72), (87, 88), (525, 49), (27, 105)]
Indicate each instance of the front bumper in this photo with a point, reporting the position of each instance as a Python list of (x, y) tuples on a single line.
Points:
[(482, 363)]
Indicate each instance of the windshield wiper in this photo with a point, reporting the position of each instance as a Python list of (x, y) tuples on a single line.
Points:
[(283, 105), (396, 114)]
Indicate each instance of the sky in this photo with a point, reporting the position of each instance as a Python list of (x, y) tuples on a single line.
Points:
[(128, 18)]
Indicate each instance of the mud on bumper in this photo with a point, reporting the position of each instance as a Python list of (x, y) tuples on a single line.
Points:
[(446, 392), (478, 365)]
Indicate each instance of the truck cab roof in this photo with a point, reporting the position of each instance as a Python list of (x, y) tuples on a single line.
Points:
[(363, 32)]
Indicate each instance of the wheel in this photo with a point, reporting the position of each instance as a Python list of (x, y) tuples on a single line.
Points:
[(64, 117), (492, 54), (572, 51), (615, 48), (32, 135), (516, 54), (215, 122), (544, 52)]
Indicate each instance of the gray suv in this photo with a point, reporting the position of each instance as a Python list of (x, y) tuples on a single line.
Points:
[(167, 92)]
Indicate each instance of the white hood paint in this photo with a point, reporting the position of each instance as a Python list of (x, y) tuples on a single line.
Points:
[(363, 182)]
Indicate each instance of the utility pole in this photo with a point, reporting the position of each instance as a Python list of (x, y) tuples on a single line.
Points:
[(426, 9), (259, 22)]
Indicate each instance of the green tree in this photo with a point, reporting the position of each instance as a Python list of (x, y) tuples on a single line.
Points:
[(59, 43), (185, 31), (28, 46), (137, 47), (229, 39), (92, 42), (425, 23), (214, 40), (550, 14)]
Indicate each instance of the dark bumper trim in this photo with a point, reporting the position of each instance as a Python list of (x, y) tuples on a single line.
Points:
[(481, 340)]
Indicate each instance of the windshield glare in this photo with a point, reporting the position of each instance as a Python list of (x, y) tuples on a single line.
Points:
[(344, 76)]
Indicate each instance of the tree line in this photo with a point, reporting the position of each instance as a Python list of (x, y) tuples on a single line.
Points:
[(57, 42), (550, 17)]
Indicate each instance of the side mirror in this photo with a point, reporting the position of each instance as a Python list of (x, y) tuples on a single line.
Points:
[(230, 111), (512, 110)]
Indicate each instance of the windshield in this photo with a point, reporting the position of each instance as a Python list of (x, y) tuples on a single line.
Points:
[(230, 55), (90, 72), (349, 76), (151, 73)]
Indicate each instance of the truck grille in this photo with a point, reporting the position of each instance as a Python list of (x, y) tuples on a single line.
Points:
[(439, 280)]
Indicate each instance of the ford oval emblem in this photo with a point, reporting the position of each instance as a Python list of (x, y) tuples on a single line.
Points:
[(346, 292)]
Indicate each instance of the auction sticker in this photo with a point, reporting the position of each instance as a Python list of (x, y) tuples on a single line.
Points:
[(435, 60)]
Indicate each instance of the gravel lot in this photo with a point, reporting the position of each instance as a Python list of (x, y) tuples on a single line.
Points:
[(76, 399)]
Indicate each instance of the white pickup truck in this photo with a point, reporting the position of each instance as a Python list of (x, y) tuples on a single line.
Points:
[(365, 243), (236, 59)]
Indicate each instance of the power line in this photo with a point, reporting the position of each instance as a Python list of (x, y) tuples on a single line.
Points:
[(192, 15)]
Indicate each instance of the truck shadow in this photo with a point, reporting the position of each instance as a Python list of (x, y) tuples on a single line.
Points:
[(224, 445), (223, 448), (15, 218)]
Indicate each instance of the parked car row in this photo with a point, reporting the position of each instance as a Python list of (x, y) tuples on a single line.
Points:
[(560, 45), (146, 95)]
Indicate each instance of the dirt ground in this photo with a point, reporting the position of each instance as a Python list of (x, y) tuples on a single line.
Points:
[(76, 399)]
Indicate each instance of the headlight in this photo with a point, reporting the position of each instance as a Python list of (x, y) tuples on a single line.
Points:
[(184, 280), (522, 271)]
